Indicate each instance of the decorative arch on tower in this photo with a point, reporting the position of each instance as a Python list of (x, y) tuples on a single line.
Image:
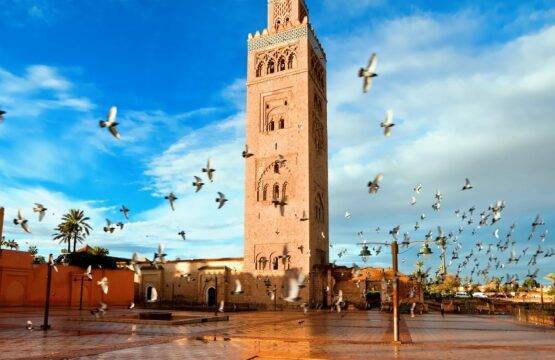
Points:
[(278, 183)]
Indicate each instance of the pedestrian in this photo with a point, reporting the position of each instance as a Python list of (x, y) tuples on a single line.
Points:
[(412, 309), (442, 309)]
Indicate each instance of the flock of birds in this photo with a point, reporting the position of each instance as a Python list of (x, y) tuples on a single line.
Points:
[(494, 250)]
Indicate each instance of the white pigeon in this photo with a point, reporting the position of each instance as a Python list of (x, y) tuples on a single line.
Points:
[(221, 308), (131, 306), (368, 73), (29, 325), (387, 124), (111, 123), (496, 233), (103, 285), (88, 273), (436, 206), (21, 221), (413, 201), (295, 284), (347, 215), (374, 186), (238, 288)]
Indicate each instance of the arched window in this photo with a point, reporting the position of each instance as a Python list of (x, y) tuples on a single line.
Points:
[(275, 263), (259, 69), (282, 123), (292, 61), (271, 126), (275, 194), (281, 64), (271, 67), (265, 193), (284, 190), (276, 168)]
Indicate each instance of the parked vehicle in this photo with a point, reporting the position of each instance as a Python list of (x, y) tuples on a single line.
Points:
[(479, 295), (462, 295)]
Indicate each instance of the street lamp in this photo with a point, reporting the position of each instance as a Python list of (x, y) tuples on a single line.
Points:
[(45, 325)]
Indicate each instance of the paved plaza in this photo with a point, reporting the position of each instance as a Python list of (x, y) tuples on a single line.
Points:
[(280, 335)]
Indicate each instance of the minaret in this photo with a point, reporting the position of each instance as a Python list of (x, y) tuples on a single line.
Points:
[(286, 179)]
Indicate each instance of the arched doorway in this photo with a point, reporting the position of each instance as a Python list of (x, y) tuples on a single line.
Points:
[(211, 296), (151, 295)]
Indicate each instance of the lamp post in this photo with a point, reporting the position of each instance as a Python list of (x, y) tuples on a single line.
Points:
[(45, 325), (394, 255)]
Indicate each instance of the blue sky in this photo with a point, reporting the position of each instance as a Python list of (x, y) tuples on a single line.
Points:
[(472, 87)]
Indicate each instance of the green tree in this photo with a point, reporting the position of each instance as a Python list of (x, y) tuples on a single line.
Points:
[(39, 259), (100, 251), (74, 227), (529, 284), (33, 250), (12, 244), (447, 286), (2, 242)]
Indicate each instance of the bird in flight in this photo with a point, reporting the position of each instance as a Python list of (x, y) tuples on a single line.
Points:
[(295, 285), (2, 113), (41, 210), (209, 171), (171, 199), (374, 186), (183, 234), (368, 73), (246, 154), (387, 124), (418, 188), (103, 283), (21, 221), (109, 227), (238, 288), (221, 200), (125, 211), (88, 273), (467, 185), (111, 123), (198, 184)]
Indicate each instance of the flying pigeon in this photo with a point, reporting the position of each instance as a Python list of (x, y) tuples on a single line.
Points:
[(104, 285), (423, 216), (209, 171), (41, 210), (88, 273), (120, 225), (387, 124), (183, 234), (221, 308), (496, 233), (2, 113), (109, 227), (134, 261), (246, 153), (29, 325), (369, 72), (160, 256), (418, 188), (21, 221), (198, 183), (413, 201), (295, 284), (395, 231), (416, 226), (221, 200), (111, 123), (238, 288), (436, 206), (347, 215), (171, 199), (467, 185), (374, 186), (125, 212)]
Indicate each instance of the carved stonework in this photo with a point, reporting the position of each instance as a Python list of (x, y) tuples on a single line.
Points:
[(275, 180), (276, 60), (276, 112), (318, 135), (282, 13), (318, 72)]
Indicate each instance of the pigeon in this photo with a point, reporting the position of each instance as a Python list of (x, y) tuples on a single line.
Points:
[(171, 199), (160, 256), (413, 201), (467, 185), (221, 308), (21, 221), (238, 288), (542, 236), (125, 212), (51, 263), (418, 188), (209, 171), (423, 216), (103, 285), (183, 234), (120, 225), (347, 215), (457, 212), (111, 123), (88, 273), (41, 210), (221, 200), (2, 113), (387, 124), (436, 206), (198, 184), (246, 153), (438, 196), (374, 186), (295, 284), (29, 325), (416, 226), (131, 306), (395, 231), (109, 227), (134, 261), (537, 222), (368, 73), (304, 306), (496, 233)]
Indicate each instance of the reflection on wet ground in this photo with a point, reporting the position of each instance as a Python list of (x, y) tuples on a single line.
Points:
[(269, 335)]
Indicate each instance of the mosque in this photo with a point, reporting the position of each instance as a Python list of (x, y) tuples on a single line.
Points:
[(286, 225)]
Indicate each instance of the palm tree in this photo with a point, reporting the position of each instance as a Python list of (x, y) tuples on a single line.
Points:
[(99, 251), (74, 227)]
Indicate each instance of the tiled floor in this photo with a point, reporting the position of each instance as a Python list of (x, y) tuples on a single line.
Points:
[(269, 335)]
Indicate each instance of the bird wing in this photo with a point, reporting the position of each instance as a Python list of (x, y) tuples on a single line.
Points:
[(114, 131), (20, 215), (373, 62), (89, 269), (388, 117), (366, 84), (237, 286), (26, 227), (160, 249), (41, 215), (112, 113), (293, 290), (467, 182), (378, 179)]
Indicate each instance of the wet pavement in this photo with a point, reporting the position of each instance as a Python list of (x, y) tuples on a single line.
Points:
[(279, 335)]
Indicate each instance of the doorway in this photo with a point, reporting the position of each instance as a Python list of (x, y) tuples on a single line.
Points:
[(211, 296)]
